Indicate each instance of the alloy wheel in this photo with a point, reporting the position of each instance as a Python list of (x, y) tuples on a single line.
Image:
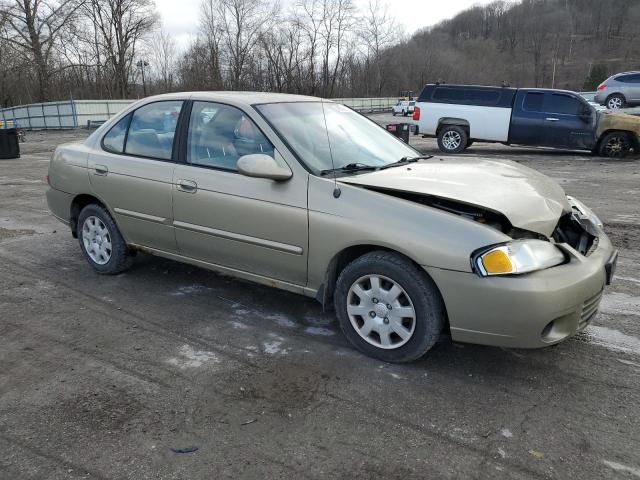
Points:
[(617, 146), (96, 240), (451, 140), (381, 311)]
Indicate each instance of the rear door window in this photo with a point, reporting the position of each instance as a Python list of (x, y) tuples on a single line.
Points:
[(152, 130), (533, 102), (563, 104)]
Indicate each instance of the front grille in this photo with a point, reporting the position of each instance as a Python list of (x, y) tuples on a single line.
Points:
[(589, 309)]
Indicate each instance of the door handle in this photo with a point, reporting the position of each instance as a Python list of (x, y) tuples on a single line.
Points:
[(100, 169), (187, 186), (552, 119)]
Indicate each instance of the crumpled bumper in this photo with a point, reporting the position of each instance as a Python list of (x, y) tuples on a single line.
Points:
[(527, 311)]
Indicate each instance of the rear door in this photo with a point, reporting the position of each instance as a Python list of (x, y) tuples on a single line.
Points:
[(565, 125), (632, 87), (528, 119), (132, 172), (252, 225)]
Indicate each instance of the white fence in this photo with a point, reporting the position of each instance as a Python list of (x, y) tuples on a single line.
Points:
[(78, 113)]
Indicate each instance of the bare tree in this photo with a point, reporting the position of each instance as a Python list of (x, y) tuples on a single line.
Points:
[(120, 26), (241, 22), (33, 29), (163, 59), (378, 32)]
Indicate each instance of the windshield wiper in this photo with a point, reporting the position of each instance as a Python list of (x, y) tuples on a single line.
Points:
[(405, 161), (350, 167)]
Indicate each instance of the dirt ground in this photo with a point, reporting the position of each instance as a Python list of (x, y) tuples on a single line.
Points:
[(114, 377)]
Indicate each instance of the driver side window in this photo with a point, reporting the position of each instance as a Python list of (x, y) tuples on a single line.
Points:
[(220, 134)]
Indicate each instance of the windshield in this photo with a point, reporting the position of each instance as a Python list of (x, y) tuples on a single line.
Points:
[(354, 138)]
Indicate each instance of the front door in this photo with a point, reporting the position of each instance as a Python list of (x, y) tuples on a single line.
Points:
[(565, 125), (132, 173), (253, 225)]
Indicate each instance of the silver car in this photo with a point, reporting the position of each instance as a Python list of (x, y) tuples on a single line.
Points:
[(311, 197), (619, 91)]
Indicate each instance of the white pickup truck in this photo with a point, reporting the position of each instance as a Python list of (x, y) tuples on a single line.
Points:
[(457, 115), (403, 107)]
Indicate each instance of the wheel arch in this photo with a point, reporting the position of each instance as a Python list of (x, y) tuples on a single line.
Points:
[(458, 122), (341, 259), (77, 204)]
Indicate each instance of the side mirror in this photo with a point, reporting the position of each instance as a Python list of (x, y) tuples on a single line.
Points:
[(586, 114), (260, 165)]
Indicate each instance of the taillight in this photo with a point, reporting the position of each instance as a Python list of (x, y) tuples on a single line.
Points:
[(602, 86), (416, 113)]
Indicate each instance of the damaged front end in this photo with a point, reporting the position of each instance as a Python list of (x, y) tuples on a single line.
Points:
[(579, 229)]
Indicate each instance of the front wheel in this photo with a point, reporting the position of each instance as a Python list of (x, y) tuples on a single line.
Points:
[(101, 242), (615, 145), (452, 139), (388, 308)]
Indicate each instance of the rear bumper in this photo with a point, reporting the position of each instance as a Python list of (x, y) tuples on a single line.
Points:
[(528, 311), (600, 97), (59, 203)]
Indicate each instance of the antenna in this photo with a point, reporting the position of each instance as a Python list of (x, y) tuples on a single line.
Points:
[(336, 189)]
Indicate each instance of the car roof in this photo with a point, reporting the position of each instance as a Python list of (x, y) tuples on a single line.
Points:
[(626, 73), (247, 98)]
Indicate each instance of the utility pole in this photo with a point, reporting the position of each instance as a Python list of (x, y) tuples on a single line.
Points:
[(141, 64)]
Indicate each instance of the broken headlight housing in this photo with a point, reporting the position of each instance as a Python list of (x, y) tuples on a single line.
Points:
[(583, 212), (517, 257)]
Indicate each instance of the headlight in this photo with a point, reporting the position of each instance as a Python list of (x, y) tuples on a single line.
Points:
[(518, 256), (584, 211)]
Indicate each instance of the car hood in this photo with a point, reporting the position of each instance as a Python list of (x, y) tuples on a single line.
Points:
[(529, 200), (628, 120)]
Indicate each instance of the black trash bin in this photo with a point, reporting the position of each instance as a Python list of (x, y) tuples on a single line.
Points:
[(9, 146), (400, 130)]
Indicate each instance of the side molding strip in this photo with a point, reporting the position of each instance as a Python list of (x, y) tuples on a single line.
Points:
[(260, 242), (142, 216)]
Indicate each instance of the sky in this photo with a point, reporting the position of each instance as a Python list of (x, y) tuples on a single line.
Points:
[(180, 17)]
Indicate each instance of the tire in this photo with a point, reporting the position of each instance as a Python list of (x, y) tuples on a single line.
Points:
[(615, 145), (452, 139), (419, 297), (394, 114), (404, 114), (616, 101), (96, 228)]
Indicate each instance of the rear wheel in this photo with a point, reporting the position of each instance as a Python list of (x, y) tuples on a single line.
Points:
[(616, 101), (101, 242), (388, 308), (615, 145), (452, 139)]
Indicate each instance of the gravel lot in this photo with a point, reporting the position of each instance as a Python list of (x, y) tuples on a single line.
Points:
[(103, 376)]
